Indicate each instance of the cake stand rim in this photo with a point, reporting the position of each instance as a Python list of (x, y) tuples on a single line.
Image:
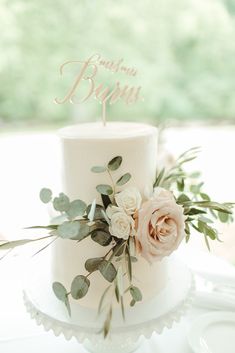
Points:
[(132, 331)]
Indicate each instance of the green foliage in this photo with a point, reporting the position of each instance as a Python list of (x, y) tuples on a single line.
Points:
[(61, 203), (98, 169), (45, 195), (136, 293), (104, 189), (124, 179), (115, 163), (107, 270), (76, 208), (61, 294), (92, 265), (68, 230), (79, 287), (101, 237)]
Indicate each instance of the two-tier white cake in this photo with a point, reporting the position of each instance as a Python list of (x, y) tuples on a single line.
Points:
[(89, 144)]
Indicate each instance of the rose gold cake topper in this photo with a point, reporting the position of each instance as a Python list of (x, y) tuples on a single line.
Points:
[(88, 70)]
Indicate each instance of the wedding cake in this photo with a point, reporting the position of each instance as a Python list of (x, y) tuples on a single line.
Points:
[(83, 146)]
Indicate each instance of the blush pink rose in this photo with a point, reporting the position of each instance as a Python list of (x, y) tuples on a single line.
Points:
[(160, 226)]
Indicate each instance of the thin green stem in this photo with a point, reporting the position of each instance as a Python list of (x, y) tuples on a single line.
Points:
[(112, 181)]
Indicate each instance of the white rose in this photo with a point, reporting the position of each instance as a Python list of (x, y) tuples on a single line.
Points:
[(121, 225), (129, 200)]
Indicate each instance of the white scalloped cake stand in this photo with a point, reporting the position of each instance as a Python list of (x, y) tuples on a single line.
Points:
[(142, 320)]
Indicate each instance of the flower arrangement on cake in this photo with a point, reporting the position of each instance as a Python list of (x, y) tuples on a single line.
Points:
[(130, 226), (119, 216)]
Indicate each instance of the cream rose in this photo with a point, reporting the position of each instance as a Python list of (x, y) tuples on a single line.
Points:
[(121, 225), (160, 226), (129, 200)]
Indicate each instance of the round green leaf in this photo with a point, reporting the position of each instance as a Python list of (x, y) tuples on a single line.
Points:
[(104, 189), (98, 169), (68, 230), (59, 291), (83, 232), (136, 294), (76, 208), (45, 195), (79, 287), (101, 237), (107, 270), (115, 163), (92, 265), (98, 211), (124, 179), (61, 203)]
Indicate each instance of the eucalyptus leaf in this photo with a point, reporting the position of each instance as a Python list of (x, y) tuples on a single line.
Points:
[(61, 203), (92, 265), (68, 230), (136, 293), (101, 237), (83, 232), (59, 291), (76, 208), (45, 195), (107, 270), (98, 211), (79, 287), (115, 163), (98, 169), (104, 189), (124, 179), (118, 248)]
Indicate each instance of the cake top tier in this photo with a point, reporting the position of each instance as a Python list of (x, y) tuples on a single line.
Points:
[(117, 130)]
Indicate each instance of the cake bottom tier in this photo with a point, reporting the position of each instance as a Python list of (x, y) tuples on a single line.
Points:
[(68, 258)]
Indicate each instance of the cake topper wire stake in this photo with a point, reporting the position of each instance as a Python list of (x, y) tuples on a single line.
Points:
[(104, 112)]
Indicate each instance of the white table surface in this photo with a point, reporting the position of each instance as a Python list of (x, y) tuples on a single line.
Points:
[(20, 334)]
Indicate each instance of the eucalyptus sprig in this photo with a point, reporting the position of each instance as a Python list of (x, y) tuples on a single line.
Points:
[(113, 165), (195, 202)]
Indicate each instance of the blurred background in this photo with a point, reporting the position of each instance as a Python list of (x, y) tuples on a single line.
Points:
[(184, 51)]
